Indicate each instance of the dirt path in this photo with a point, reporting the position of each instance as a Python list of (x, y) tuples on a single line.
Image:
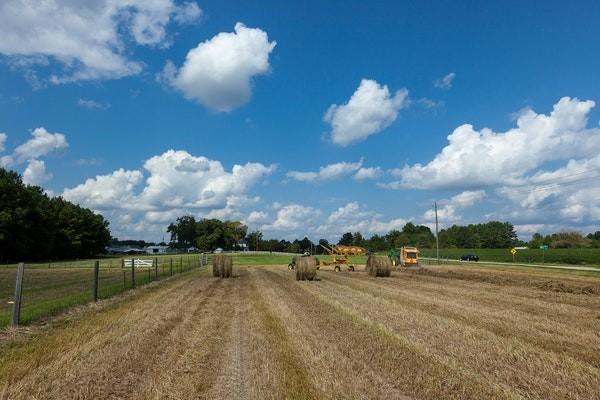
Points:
[(262, 335)]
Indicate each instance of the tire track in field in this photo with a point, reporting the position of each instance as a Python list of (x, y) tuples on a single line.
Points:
[(112, 362), (520, 368), (551, 333), (359, 359)]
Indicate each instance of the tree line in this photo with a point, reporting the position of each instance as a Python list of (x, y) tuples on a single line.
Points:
[(34, 226), (209, 234)]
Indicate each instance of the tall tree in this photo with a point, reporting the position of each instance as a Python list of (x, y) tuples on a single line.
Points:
[(346, 239), (183, 232), (34, 226)]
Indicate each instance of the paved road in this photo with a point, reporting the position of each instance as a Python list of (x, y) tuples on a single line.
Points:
[(551, 266)]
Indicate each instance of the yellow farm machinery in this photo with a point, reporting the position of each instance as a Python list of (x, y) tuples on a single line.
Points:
[(340, 256), (404, 257)]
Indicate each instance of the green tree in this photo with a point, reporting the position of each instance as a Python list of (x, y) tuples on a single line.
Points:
[(358, 240), (254, 241), (183, 232), (346, 239), (34, 226)]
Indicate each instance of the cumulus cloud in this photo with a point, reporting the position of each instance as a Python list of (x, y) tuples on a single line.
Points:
[(367, 173), (292, 217), (92, 104), (475, 159), (177, 183), (219, 72), (370, 110), (448, 208), (326, 173), (257, 217), (354, 218), (87, 39), (41, 144), (445, 82), (3, 137), (105, 192), (36, 173), (178, 179), (571, 192)]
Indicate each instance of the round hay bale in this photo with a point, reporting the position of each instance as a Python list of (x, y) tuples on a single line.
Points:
[(226, 267), (379, 266), (306, 268), (216, 264)]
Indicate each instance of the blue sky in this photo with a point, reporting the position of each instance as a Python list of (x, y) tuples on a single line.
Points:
[(92, 114)]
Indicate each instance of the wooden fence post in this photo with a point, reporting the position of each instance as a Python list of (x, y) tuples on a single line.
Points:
[(16, 314), (155, 268), (133, 273), (96, 276)]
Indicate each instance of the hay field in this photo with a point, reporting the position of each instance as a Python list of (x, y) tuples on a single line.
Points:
[(440, 333)]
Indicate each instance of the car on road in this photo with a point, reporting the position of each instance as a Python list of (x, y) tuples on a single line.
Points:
[(469, 257)]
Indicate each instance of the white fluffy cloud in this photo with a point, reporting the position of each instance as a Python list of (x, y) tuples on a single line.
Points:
[(570, 192), (367, 173), (370, 110), (178, 179), (293, 217), (448, 209), (87, 38), (107, 192), (445, 82), (36, 173), (257, 217), (353, 218), (483, 158), (326, 173), (177, 184), (3, 138), (218, 73), (41, 144)]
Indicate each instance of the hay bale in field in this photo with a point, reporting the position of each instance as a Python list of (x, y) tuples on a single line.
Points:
[(306, 268), (216, 267), (379, 266), (226, 270)]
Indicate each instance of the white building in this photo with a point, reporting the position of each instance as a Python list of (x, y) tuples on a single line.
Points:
[(156, 249)]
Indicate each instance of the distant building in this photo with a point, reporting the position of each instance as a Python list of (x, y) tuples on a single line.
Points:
[(156, 249), (125, 250), (218, 250)]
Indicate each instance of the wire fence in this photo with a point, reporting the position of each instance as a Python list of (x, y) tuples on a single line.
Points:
[(50, 288)]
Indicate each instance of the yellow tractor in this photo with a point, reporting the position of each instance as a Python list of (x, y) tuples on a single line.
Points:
[(405, 256), (340, 255)]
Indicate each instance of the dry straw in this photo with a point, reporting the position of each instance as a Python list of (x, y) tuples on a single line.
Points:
[(379, 266), (227, 267), (216, 264), (222, 266), (306, 268)]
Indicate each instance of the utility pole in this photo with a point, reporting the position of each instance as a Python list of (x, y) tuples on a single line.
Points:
[(437, 241)]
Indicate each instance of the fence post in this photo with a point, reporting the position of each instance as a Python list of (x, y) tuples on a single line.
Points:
[(133, 273), (155, 268), (96, 275), (16, 314), (171, 265)]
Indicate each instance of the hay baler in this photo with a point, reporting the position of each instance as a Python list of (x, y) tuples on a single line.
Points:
[(405, 256)]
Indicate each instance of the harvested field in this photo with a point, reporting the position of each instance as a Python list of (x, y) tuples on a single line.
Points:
[(420, 334)]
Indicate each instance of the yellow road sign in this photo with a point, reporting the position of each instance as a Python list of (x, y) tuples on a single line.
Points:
[(513, 251)]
